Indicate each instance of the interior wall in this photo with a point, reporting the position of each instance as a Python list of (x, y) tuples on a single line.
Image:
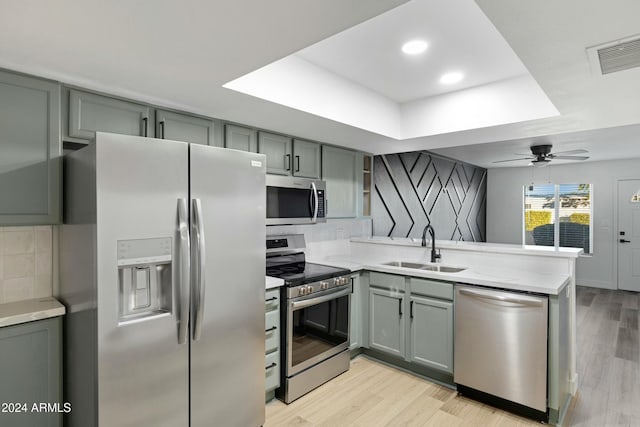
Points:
[(504, 209), (418, 188), (333, 229)]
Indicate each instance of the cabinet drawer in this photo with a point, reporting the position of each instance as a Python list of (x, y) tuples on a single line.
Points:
[(272, 373), (432, 288), (272, 299), (272, 331), (386, 281)]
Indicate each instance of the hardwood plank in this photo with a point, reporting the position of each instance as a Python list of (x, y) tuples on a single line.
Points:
[(627, 345), (629, 318)]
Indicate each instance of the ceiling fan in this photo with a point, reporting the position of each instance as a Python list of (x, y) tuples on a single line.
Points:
[(541, 155)]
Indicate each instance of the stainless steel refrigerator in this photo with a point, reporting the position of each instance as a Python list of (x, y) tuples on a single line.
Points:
[(162, 261)]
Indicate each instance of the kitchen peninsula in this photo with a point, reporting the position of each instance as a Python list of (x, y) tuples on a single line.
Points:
[(399, 268)]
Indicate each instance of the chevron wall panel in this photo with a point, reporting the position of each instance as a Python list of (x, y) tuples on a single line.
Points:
[(415, 189)]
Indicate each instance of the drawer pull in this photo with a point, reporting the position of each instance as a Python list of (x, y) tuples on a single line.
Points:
[(273, 365), (271, 299), (273, 328)]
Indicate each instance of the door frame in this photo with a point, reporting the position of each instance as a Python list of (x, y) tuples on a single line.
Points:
[(616, 225)]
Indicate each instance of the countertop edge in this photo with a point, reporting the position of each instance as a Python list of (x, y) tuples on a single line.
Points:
[(15, 313), (272, 282), (499, 248), (495, 282)]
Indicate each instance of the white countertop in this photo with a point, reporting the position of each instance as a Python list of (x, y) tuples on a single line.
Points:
[(501, 248), (550, 284), (14, 313), (272, 282)]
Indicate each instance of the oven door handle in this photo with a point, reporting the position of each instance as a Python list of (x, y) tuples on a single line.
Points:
[(296, 305)]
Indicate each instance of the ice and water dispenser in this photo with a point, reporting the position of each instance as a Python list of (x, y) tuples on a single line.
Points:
[(144, 278)]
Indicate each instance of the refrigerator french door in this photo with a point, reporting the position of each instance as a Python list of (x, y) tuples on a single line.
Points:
[(162, 272)]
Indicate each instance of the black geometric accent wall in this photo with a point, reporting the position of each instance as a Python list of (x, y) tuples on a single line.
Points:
[(415, 189)]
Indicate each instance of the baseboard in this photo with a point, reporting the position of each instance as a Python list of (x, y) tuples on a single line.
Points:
[(596, 284)]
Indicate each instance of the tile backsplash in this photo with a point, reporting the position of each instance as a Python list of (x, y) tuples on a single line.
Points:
[(26, 262)]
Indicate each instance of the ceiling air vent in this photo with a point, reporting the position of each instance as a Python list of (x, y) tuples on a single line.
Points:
[(616, 56)]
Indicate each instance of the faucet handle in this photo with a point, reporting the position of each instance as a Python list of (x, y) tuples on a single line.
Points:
[(438, 256)]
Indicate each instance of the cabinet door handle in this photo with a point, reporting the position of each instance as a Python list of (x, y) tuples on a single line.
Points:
[(145, 120), (297, 163), (273, 365), (162, 129), (625, 241), (352, 285), (287, 162), (271, 329), (270, 299), (400, 307), (411, 309)]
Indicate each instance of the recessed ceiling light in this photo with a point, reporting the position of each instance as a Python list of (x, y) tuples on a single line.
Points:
[(414, 47), (451, 78)]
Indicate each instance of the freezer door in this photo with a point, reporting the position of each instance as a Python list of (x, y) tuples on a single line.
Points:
[(228, 240), (143, 370)]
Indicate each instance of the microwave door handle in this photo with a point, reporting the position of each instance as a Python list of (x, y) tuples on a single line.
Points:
[(185, 267), (199, 282), (315, 205)]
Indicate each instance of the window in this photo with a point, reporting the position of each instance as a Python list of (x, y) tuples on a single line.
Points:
[(558, 215)]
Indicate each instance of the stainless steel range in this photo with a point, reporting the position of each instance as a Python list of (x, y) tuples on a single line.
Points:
[(315, 317)]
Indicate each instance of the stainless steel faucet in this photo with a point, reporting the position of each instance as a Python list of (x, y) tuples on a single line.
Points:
[(434, 256)]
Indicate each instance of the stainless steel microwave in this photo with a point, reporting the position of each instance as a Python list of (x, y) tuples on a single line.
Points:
[(293, 200)]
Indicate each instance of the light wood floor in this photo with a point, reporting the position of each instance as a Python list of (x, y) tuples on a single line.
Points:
[(371, 394), (608, 359)]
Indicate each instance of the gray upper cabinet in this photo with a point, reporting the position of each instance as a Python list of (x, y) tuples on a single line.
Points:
[(89, 113), (181, 127), (386, 321), (431, 333), (30, 150), (277, 148), (306, 159), (240, 138), (339, 167)]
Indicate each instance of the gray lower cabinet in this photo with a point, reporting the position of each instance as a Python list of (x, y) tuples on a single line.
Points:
[(31, 372), (30, 150), (240, 138), (387, 321), (431, 332), (272, 342), (182, 127), (277, 148), (306, 159), (339, 167), (90, 113)]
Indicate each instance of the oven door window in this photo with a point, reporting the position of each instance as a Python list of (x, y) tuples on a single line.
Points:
[(318, 332), (284, 202)]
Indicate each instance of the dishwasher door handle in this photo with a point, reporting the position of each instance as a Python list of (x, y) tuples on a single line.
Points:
[(530, 302)]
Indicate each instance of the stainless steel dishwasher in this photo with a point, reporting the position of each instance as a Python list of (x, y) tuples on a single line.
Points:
[(500, 354)]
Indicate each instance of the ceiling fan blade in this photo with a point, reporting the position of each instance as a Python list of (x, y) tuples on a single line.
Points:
[(579, 151), (513, 160), (569, 157)]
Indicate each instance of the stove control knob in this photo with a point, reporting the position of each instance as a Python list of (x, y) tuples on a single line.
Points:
[(336, 281), (301, 291), (324, 286), (344, 280), (309, 289)]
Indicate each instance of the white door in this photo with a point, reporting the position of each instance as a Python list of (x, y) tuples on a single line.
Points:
[(629, 234)]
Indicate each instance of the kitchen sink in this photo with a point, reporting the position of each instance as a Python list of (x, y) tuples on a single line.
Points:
[(428, 267)]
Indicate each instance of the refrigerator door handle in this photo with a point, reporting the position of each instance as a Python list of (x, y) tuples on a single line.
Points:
[(199, 268), (315, 205), (185, 270)]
